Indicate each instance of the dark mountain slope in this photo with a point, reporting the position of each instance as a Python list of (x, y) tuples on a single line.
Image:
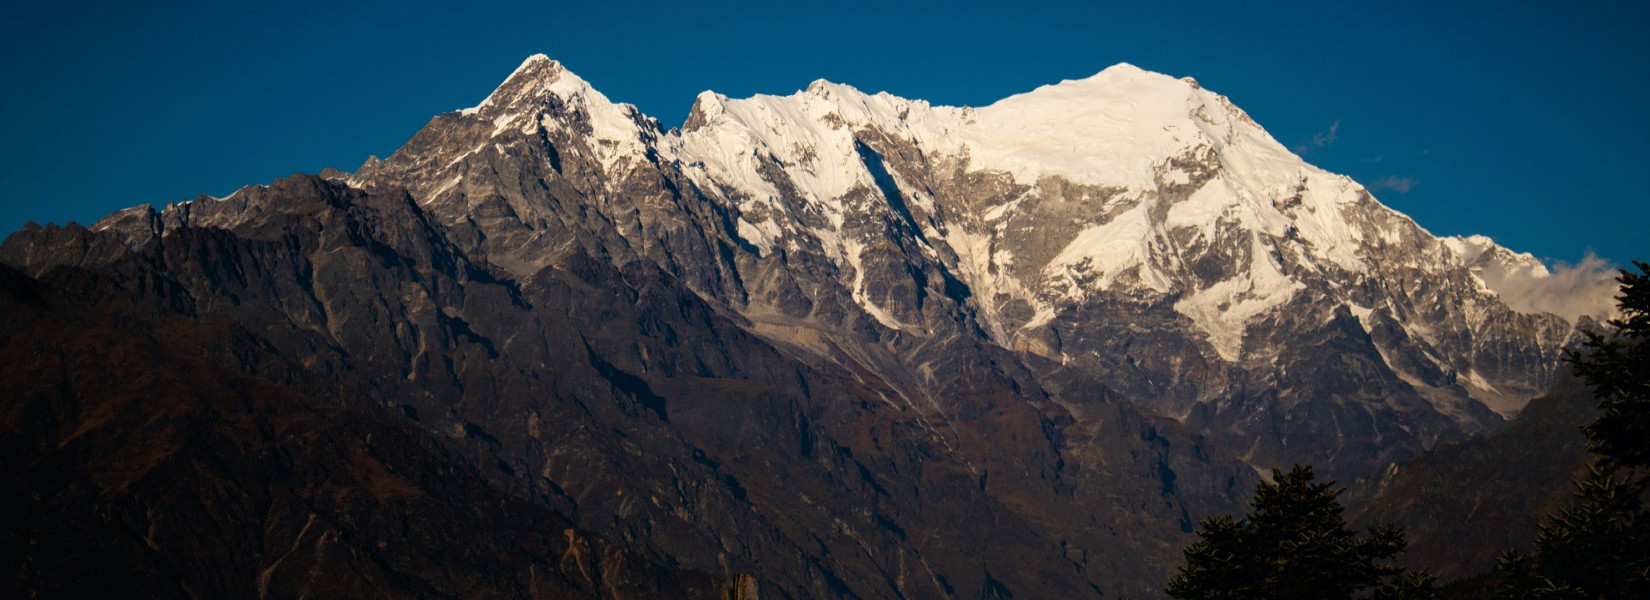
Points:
[(136, 465), (615, 396), (1463, 504)]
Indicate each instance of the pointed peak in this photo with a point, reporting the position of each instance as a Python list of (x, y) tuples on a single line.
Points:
[(535, 74), (537, 66)]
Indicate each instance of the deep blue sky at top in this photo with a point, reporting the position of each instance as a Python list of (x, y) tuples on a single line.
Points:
[(1525, 121)]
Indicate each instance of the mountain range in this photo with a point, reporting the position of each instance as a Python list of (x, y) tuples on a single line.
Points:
[(847, 344)]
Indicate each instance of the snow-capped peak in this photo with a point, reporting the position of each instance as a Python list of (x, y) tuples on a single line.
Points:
[(543, 93), (537, 69), (1166, 174), (536, 60), (1123, 69), (1115, 126), (728, 140), (1128, 225), (1475, 250)]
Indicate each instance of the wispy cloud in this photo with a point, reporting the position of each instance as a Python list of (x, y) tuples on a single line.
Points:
[(1401, 185), (1328, 137), (1372, 160), (1585, 288), (1321, 139)]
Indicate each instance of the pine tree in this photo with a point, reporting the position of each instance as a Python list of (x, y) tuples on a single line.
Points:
[(1616, 366), (1599, 547), (1294, 544)]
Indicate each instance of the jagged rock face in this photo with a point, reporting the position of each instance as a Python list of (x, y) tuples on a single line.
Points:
[(618, 399), (1132, 226), (150, 454)]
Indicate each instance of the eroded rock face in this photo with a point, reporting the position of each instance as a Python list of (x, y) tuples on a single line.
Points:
[(619, 399), (150, 453), (851, 344)]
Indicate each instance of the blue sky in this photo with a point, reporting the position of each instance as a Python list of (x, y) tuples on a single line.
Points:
[(1524, 121)]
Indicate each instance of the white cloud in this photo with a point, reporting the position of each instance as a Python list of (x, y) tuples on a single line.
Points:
[(1328, 137), (1321, 139), (1585, 288), (1401, 185)]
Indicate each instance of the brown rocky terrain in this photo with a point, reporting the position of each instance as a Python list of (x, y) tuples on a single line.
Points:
[(609, 395), (138, 465)]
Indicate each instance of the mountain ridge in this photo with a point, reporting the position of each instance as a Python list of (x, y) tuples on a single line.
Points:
[(805, 336), (788, 196), (1193, 208)]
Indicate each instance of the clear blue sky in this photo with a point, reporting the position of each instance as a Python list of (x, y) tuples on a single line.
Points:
[(1524, 121)]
